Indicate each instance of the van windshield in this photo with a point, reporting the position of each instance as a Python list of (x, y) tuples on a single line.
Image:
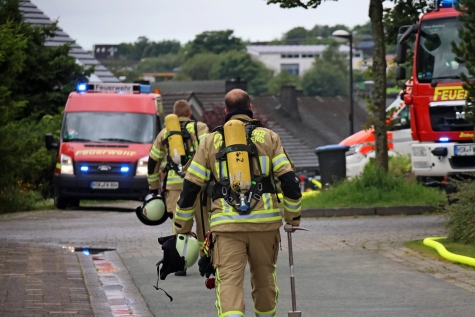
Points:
[(108, 127)]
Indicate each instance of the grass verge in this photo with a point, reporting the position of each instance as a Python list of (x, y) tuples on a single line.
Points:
[(376, 188), (454, 247)]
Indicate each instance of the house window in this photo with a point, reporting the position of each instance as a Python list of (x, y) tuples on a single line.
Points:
[(283, 56), (291, 68)]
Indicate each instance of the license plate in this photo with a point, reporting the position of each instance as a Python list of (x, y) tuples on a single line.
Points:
[(104, 185), (465, 150)]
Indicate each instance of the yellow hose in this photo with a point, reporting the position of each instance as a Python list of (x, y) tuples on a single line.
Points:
[(430, 242), (304, 194)]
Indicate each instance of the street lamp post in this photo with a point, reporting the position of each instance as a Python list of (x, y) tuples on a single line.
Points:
[(342, 35)]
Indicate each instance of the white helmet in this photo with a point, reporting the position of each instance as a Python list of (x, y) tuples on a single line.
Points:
[(180, 251), (188, 247), (153, 212)]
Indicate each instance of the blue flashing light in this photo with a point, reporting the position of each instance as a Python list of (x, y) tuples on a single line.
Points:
[(145, 89), (85, 251), (124, 169), (81, 87), (447, 3), (444, 139), (84, 168)]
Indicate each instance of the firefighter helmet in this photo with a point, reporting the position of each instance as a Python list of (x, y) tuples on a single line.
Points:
[(188, 247), (153, 212), (180, 251)]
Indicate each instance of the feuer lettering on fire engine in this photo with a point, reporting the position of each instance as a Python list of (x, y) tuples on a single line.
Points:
[(449, 93)]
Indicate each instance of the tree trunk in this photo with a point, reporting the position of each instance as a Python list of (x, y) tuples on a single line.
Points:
[(379, 93)]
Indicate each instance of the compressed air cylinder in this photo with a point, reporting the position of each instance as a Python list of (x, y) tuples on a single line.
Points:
[(175, 142), (238, 161)]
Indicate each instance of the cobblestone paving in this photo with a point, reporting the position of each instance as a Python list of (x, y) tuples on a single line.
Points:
[(39, 280), (116, 226)]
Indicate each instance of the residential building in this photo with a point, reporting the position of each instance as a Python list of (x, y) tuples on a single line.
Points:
[(296, 59), (35, 16)]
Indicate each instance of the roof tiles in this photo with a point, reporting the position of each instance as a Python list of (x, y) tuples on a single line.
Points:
[(33, 15)]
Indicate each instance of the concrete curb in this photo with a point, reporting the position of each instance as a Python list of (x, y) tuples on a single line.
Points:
[(366, 211)]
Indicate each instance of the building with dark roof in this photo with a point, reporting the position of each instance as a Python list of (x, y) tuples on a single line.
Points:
[(302, 122), (35, 16)]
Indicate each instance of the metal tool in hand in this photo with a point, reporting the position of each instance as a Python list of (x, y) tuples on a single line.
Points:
[(289, 229)]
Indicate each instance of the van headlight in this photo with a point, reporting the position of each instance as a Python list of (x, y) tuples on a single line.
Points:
[(419, 151), (142, 167), (66, 165)]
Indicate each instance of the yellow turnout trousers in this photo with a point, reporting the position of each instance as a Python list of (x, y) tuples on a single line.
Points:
[(231, 252), (172, 197)]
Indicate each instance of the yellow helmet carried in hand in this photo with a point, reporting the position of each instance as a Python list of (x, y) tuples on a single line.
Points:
[(188, 247), (153, 212)]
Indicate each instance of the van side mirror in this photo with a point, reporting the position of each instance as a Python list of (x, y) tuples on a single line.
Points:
[(403, 37), (401, 50), (49, 142), (400, 72), (396, 127)]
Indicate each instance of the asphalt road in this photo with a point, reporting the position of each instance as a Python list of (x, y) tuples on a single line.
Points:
[(344, 266)]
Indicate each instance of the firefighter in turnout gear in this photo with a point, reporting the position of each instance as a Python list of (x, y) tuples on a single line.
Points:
[(245, 217), (178, 128)]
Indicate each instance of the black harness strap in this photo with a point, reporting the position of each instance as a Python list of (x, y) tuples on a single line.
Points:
[(222, 188)]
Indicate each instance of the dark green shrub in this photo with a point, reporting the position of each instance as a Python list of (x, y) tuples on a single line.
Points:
[(461, 213)]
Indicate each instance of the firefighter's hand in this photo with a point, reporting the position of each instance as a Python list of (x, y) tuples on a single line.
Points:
[(206, 266), (288, 227), (170, 215)]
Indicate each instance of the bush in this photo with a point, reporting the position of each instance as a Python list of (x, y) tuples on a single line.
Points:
[(17, 198), (399, 165), (461, 213)]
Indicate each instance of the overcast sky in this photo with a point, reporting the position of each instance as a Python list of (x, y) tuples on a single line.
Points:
[(92, 22)]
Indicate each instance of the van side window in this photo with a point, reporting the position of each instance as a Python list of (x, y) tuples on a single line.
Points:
[(405, 116)]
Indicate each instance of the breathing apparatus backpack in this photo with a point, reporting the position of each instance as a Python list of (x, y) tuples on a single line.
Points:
[(238, 156), (179, 143)]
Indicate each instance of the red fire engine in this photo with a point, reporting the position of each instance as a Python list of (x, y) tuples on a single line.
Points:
[(445, 144)]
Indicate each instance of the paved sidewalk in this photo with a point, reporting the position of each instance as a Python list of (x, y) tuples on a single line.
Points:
[(39, 280)]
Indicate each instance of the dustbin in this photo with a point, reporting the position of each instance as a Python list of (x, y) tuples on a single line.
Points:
[(332, 163)]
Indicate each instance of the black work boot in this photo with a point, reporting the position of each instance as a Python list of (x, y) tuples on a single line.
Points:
[(180, 273)]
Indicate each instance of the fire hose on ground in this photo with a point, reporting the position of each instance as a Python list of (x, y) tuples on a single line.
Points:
[(430, 242)]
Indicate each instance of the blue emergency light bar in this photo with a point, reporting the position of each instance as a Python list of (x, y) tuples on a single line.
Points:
[(444, 139), (446, 3), (84, 168), (124, 169), (113, 88)]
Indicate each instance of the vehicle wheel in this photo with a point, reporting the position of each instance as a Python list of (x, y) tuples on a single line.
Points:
[(73, 202), (60, 202)]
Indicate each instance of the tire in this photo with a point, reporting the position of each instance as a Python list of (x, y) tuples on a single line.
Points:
[(73, 202), (59, 201)]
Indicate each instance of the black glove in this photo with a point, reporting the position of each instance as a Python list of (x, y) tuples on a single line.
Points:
[(170, 215), (206, 266), (153, 191)]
